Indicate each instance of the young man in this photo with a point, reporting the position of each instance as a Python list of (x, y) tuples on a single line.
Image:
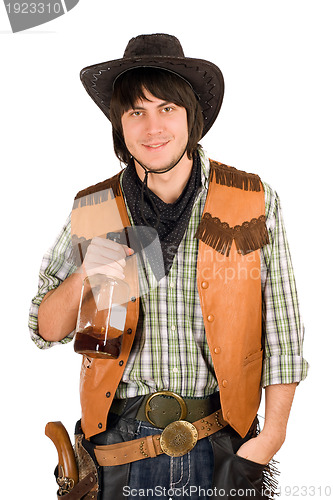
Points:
[(223, 319)]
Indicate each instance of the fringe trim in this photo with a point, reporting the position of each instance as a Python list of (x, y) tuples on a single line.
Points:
[(219, 235), (98, 193), (231, 177), (270, 482), (251, 235)]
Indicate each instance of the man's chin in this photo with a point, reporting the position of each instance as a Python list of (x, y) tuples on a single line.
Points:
[(157, 165)]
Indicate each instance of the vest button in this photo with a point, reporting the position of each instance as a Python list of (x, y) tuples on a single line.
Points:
[(100, 425), (210, 318), (204, 285), (108, 394), (129, 331), (224, 383), (121, 363), (217, 350)]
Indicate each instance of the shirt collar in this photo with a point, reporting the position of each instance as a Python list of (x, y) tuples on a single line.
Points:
[(205, 167)]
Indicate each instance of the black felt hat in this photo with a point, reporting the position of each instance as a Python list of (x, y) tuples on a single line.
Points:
[(158, 51)]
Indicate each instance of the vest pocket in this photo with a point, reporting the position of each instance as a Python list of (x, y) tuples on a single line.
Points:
[(253, 357)]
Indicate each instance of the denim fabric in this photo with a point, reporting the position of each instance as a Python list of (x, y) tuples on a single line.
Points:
[(172, 477), (160, 477)]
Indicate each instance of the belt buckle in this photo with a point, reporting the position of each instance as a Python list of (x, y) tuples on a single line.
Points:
[(180, 436)]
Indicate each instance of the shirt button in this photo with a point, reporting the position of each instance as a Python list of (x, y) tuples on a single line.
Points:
[(217, 350), (172, 285), (210, 318), (133, 299), (175, 370), (173, 328), (204, 284)]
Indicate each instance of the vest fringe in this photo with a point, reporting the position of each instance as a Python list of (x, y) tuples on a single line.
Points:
[(251, 235), (231, 177), (216, 234), (219, 235), (98, 193)]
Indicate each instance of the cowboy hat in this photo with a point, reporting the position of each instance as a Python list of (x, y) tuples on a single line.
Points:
[(164, 52)]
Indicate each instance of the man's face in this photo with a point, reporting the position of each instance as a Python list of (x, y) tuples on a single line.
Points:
[(155, 132)]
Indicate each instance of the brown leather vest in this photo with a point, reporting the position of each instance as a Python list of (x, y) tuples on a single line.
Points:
[(231, 232)]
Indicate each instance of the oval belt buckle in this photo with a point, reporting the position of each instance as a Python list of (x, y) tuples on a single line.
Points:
[(179, 437)]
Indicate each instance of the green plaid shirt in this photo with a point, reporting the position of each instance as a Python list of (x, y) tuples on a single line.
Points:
[(170, 350)]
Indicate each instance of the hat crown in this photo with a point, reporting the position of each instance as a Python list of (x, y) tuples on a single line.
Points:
[(158, 44)]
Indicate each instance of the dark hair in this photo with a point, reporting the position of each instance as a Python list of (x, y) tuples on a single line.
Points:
[(131, 86)]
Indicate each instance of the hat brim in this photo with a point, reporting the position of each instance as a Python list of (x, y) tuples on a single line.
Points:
[(205, 78)]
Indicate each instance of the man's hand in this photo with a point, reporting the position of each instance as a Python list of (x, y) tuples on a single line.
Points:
[(260, 449), (58, 311), (105, 257), (278, 401)]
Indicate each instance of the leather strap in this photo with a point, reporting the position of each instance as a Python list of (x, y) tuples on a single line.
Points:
[(81, 488), (149, 447)]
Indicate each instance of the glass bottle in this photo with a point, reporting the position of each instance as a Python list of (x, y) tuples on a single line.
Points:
[(102, 315)]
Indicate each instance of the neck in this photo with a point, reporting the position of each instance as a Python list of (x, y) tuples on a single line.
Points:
[(169, 185)]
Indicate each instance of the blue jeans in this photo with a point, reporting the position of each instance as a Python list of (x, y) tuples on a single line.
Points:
[(161, 477), (171, 477)]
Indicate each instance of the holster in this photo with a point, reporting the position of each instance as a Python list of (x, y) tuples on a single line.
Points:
[(87, 466)]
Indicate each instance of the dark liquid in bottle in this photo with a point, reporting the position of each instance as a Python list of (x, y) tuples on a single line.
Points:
[(96, 344)]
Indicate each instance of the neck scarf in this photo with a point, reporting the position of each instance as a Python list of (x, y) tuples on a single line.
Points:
[(173, 217)]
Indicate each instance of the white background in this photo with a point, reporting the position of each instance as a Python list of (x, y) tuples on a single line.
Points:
[(276, 120)]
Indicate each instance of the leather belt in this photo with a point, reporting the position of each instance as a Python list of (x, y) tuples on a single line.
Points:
[(163, 407), (177, 439)]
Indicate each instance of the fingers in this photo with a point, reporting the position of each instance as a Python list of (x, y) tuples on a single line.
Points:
[(106, 257), (104, 244)]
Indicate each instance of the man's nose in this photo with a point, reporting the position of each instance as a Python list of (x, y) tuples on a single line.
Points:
[(154, 124)]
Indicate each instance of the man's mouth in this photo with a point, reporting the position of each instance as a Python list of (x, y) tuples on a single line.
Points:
[(156, 145)]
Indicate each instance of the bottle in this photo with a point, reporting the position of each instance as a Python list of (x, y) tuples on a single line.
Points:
[(102, 316)]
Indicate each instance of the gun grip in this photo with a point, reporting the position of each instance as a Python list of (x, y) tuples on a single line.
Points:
[(57, 432)]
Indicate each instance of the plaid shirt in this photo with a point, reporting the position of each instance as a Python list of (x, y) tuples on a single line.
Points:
[(170, 350)]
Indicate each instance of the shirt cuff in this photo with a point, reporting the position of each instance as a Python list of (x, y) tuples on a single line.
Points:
[(285, 369), (33, 329)]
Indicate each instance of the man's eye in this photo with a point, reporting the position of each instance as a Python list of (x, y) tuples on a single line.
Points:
[(136, 113), (167, 109)]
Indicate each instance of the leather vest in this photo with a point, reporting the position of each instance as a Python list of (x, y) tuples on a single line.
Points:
[(231, 232)]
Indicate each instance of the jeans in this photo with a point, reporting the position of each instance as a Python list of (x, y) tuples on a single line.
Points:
[(167, 477)]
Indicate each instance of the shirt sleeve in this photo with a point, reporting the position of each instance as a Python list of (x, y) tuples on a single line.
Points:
[(283, 330), (57, 265)]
